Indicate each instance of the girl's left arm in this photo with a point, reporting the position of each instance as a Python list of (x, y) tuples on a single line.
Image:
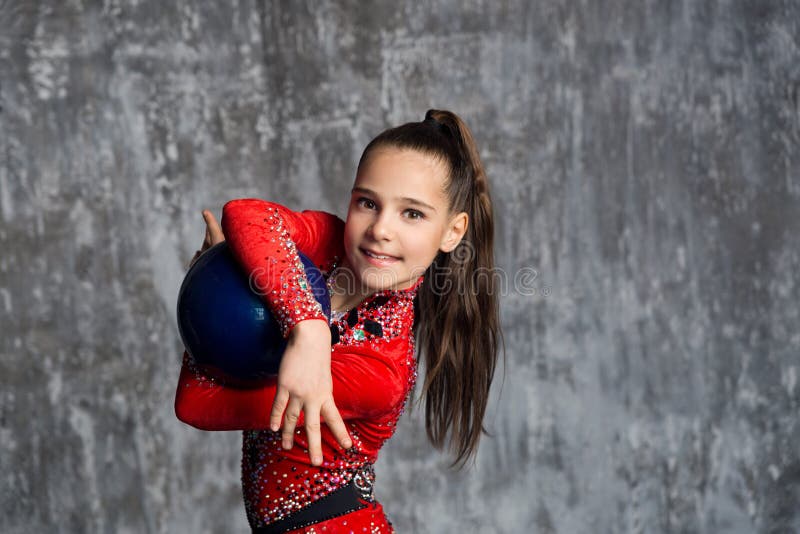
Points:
[(368, 382)]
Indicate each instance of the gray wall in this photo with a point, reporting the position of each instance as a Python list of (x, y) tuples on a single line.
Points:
[(645, 164)]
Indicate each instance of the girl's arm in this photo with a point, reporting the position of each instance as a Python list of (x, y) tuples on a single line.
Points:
[(368, 382), (264, 237)]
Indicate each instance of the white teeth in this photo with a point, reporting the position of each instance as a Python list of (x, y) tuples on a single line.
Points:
[(377, 257)]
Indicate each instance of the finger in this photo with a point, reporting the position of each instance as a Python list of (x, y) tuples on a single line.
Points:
[(194, 258), (278, 407), (336, 425), (290, 422), (213, 227), (206, 240), (313, 432)]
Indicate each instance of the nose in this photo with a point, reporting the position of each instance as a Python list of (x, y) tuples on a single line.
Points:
[(380, 228)]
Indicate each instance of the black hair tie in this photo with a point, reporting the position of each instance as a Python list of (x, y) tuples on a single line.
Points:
[(440, 127)]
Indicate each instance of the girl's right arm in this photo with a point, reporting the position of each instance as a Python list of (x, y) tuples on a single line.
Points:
[(369, 381)]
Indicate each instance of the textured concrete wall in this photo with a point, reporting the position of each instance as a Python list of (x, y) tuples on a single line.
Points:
[(644, 158)]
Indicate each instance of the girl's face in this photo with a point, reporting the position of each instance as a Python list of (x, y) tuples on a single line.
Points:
[(398, 209)]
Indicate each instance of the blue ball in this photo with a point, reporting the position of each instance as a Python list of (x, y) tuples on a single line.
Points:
[(226, 326)]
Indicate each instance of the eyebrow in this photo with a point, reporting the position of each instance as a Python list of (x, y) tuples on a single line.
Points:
[(410, 200)]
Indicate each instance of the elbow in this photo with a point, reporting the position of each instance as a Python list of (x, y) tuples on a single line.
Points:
[(239, 203), (386, 400), (396, 396), (237, 209), (237, 216), (182, 411), (187, 413)]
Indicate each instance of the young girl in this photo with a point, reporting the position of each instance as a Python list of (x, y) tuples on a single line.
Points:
[(411, 267)]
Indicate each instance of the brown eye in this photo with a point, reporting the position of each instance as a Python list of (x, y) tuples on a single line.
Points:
[(363, 201)]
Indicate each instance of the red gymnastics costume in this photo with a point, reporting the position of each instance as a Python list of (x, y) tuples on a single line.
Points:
[(372, 366)]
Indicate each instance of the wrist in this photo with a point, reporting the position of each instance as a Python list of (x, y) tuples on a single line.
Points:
[(316, 328)]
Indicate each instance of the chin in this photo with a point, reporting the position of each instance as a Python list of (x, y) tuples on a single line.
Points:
[(378, 280)]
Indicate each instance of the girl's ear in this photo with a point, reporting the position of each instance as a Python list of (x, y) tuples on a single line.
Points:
[(454, 232)]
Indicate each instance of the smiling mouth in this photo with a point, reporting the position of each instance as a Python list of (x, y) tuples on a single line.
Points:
[(383, 257)]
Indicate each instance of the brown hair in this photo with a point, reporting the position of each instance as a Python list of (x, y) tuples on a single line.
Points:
[(456, 322)]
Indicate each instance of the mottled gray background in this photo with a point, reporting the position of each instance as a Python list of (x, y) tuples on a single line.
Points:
[(645, 167)]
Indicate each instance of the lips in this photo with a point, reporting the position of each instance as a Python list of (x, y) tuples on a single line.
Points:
[(372, 254)]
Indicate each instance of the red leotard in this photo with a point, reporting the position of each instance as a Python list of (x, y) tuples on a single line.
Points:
[(372, 366)]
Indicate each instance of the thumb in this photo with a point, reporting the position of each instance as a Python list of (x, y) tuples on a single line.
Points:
[(213, 228)]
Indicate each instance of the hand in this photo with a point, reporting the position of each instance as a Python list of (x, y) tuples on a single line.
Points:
[(305, 384), (213, 235)]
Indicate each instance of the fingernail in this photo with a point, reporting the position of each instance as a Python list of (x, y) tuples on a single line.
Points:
[(316, 460), (273, 427)]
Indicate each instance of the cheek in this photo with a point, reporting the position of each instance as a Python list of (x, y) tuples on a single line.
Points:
[(351, 235), (355, 226), (348, 241), (423, 245)]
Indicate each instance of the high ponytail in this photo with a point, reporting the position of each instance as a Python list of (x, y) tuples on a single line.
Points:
[(457, 324)]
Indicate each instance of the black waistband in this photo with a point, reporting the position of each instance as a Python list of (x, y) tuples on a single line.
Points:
[(339, 502)]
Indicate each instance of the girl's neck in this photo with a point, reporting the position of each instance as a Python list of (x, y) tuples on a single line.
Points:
[(344, 296)]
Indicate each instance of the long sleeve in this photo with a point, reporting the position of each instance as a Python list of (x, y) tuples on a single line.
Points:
[(368, 382), (265, 237)]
